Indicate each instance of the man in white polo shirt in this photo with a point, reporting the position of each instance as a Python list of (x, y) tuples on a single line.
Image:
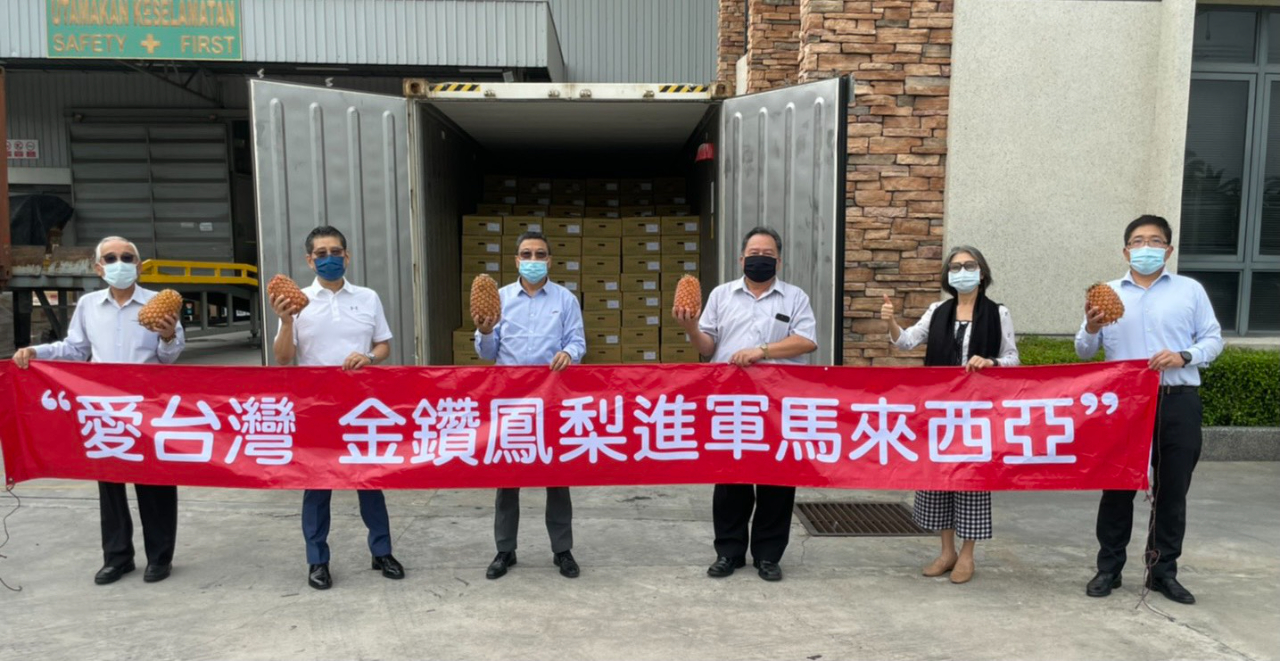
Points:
[(343, 325), (754, 319)]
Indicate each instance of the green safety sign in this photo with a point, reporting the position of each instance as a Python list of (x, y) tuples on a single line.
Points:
[(144, 29)]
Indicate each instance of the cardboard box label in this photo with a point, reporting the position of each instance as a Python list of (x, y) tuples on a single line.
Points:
[(613, 305), (657, 266), (574, 229), (572, 266), (650, 285), (611, 286), (493, 247)]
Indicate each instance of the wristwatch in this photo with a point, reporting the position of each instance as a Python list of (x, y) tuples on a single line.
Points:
[(764, 348), (1186, 357), (372, 359)]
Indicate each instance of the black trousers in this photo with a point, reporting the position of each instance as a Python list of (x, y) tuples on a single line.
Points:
[(158, 509), (1175, 452), (767, 535)]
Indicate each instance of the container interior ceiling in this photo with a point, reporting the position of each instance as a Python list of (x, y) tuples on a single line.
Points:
[(463, 140)]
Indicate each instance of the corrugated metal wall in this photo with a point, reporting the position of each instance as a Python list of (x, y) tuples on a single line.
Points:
[(637, 41), (39, 100), (471, 33), (422, 32), (22, 30), (601, 40)]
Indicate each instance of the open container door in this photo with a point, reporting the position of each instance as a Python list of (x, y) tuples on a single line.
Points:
[(341, 158), (782, 165)]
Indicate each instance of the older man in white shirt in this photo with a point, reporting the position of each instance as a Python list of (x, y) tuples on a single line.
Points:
[(104, 329), (343, 326), (754, 319)]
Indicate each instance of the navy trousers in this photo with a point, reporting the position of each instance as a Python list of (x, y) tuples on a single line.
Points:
[(315, 523)]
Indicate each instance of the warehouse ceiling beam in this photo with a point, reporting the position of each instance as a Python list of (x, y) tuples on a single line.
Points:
[(173, 83)]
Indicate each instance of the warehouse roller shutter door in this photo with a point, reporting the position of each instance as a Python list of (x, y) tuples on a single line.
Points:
[(165, 187)]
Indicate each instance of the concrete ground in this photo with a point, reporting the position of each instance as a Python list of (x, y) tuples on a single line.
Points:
[(238, 589)]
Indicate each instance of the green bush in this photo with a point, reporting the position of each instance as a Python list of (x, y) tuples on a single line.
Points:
[(1040, 350), (1239, 389), (1242, 389)]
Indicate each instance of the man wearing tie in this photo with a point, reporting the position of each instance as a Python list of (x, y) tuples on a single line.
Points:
[(105, 329), (1169, 322), (540, 324), (343, 326)]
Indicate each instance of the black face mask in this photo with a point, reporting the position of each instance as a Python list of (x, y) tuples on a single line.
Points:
[(760, 268)]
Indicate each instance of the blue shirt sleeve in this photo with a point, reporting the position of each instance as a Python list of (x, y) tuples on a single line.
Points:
[(1208, 332)]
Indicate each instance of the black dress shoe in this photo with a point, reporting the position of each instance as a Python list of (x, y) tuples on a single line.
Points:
[(391, 568), (568, 566), (768, 570), (156, 573), (723, 566), (1171, 588), (1102, 584), (498, 568), (109, 574), (318, 577)]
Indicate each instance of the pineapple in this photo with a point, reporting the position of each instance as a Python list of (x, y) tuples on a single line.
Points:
[(283, 285), (485, 302), (1102, 297), (688, 295), (162, 305)]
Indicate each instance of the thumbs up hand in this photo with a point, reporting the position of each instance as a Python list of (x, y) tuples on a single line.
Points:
[(886, 310)]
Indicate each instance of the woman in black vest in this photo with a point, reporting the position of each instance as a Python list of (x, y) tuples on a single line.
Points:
[(967, 330)]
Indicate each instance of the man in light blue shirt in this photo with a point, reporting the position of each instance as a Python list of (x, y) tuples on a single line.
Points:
[(105, 329), (540, 324), (1169, 322)]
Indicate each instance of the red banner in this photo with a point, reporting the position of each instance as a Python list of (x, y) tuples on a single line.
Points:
[(1060, 427)]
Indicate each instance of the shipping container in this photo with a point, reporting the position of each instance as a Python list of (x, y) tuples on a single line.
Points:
[(397, 173)]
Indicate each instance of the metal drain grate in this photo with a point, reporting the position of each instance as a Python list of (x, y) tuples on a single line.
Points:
[(846, 519)]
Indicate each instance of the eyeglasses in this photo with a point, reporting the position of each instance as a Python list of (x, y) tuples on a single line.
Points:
[(534, 254), (761, 253), (1138, 242), (955, 267), (322, 253), (112, 258)]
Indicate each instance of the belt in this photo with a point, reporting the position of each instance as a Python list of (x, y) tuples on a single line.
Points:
[(1178, 390)]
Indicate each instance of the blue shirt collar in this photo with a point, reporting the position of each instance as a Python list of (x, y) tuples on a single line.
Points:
[(1128, 277)]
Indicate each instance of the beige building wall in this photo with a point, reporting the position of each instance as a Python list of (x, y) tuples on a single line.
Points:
[(1068, 120)]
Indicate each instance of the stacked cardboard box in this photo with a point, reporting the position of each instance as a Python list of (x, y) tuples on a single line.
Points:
[(609, 245)]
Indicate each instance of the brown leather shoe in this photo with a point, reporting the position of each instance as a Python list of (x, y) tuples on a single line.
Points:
[(962, 572)]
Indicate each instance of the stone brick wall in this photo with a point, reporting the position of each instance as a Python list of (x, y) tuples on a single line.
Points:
[(732, 39), (899, 53), (773, 44)]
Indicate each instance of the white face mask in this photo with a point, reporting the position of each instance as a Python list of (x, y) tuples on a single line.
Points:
[(120, 275), (964, 281)]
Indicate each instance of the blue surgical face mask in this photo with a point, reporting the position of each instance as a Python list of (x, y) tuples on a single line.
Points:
[(119, 274), (964, 281), (533, 270), (1146, 260), (331, 267)]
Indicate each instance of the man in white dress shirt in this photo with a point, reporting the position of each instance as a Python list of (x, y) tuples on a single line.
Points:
[(104, 329), (754, 319), (343, 326)]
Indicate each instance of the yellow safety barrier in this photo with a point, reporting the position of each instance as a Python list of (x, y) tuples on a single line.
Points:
[(169, 271)]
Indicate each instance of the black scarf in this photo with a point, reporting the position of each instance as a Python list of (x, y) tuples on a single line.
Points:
[(984, 340)]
